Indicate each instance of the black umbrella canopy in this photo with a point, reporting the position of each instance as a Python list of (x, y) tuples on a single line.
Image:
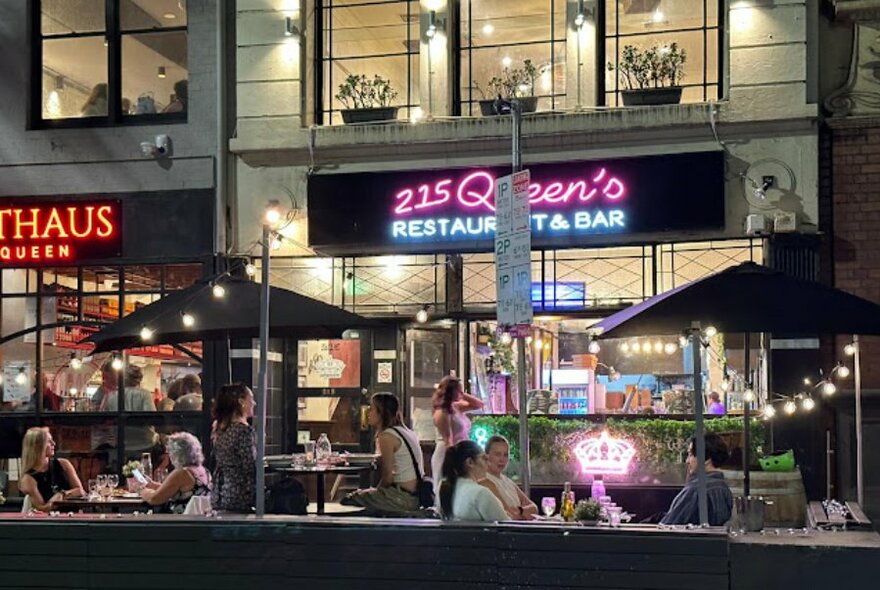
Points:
[(236, 315), (747, 298)]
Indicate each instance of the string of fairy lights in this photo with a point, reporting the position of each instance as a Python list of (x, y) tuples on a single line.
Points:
[(801, 401)]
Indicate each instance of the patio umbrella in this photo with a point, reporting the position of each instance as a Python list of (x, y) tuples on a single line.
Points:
[(745, 298), (236, 314)]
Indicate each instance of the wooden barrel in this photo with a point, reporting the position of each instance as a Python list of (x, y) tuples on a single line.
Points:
[(784, 489)]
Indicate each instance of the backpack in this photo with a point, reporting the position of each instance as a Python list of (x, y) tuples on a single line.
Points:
[(287, 496)]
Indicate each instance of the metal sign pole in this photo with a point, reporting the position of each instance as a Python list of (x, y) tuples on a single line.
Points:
[(263, 377), (700, 434), (860, 482)]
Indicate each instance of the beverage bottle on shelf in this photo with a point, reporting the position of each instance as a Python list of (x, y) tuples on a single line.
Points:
[(566, 510), (598, 488), (323, 450)]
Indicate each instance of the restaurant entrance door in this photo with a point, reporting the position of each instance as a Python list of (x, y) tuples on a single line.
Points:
[(431, 354)]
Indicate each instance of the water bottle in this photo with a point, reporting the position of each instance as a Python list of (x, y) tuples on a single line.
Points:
[(597, 490), (323, 450)]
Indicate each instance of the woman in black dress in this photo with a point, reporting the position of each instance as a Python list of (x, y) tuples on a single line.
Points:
[(46, 480), (235, 450)]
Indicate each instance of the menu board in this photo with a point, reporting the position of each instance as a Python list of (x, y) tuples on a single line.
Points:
[(329, 363)]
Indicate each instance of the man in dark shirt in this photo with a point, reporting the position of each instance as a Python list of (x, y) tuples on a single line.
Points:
[(685, 507)]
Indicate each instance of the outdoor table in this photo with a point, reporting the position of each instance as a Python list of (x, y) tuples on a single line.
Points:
[(117, 504), (320, 472)]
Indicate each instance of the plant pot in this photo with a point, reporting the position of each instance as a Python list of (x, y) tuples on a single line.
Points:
[(372, 115), (651, 96), (529, 105), (589, 522)]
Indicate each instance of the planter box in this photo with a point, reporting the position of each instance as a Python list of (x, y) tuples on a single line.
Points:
[(374, 115), (529, 105), (651, 96)]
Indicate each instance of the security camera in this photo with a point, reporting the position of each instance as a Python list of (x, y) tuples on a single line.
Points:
[(163, 145)]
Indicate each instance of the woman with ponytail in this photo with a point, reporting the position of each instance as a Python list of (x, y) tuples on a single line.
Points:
[(451, 423), (461, 496)]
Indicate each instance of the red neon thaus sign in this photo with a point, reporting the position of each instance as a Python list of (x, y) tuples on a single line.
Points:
[(32, 234)]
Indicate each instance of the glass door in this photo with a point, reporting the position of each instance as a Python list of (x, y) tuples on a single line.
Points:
[(430, 355)]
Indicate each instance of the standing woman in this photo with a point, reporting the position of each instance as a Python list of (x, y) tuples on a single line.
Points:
[(46, 480), (451, 423), (235, 450)]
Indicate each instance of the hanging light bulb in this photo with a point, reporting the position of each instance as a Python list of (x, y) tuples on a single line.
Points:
[(218, 290), (273, 213), (250, 269), (849, 349), (21, 378), (614, 375), (829, 388), (276, 243), (769, 411), (669, 348), (843, 371), (807, 381), (710, 331), (422, 315), (682, 341), (658, 347), (146, 333), (749, 395), (116, 364), (725, 383), (789, 407), (73, 391), (594, 347), (187, 319), (75, 363), (624, 347), (506, 338), (808, 403)]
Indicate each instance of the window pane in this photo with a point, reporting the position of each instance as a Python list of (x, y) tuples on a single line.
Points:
[(100, 279), (74, 79), (91, 448), (150, 434), (59, 280), (18, 358), (371, 38), (61, 17), (497, 22), (154, 73), (143, 278), (152, 14), (18, 280), (338, 417), (181, 276)]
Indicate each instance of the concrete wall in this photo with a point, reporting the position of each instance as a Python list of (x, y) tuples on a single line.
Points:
[(106, 160)]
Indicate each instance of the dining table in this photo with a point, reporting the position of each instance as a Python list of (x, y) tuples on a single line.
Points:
[(320, 472), (117, 503)]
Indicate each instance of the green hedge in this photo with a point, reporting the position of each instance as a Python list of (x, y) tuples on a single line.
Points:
[(659, 441)]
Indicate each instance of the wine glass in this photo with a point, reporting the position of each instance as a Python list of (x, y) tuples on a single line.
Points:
[(93, 489), (548, 505), (113, 481)]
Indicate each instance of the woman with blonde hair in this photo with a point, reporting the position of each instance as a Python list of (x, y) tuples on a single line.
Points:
[(45, 479), (451, 423), (188, 479)]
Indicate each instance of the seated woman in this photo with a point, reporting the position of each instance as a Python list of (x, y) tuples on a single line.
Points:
[(515, 502), (396, 492), (188, 479), (461, 497), (46, 480)]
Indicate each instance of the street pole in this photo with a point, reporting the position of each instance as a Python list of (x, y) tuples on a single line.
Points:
[(263, 376), (747, 417), (521, 377), (699, 435), (857, 364)]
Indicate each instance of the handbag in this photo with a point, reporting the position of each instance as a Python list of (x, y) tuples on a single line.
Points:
[(425, 488)]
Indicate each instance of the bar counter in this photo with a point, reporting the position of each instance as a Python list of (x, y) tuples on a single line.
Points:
[(153, 551)]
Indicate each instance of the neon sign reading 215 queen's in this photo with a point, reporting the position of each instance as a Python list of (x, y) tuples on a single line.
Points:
[(464, 208)]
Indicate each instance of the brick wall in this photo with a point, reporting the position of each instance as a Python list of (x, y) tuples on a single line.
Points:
[(855, 199)]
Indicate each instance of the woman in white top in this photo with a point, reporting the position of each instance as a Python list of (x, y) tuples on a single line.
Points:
[(450, 421), (396, 492), (516, 503), (461, 497)]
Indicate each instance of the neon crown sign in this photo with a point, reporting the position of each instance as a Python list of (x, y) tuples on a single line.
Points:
[(604, 455), (464, 208)]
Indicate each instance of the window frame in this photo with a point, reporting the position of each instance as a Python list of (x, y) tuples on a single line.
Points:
[(113, 35)]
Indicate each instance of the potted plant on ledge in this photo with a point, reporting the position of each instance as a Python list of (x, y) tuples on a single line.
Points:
[(366, 100), (652, 76), (516, 83)]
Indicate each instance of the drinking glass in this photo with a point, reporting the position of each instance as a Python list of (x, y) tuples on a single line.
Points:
[(548, 505), (93, 489), (310, 452), (113, 481)]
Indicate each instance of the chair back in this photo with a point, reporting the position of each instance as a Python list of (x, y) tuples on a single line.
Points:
[(27, 505), (198, 506)]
